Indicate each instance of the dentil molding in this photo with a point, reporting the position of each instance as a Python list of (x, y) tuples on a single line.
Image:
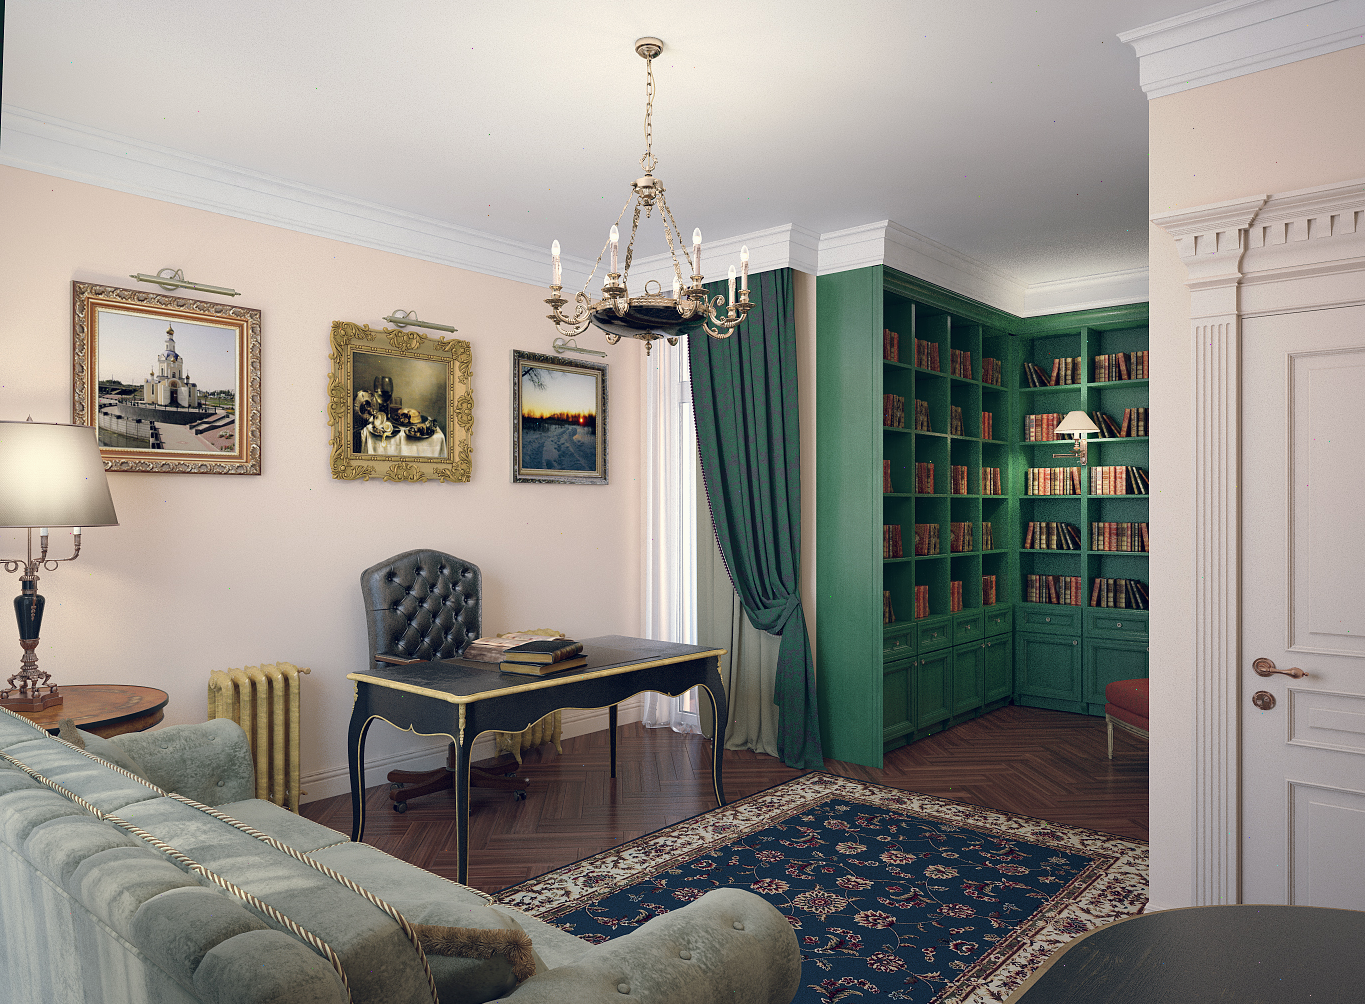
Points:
[(45, 145), (1236, 37)]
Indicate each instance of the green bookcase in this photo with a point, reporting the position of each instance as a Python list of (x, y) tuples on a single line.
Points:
[(917, 676)]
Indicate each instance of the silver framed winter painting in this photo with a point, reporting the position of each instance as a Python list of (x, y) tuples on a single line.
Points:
[(559, 420)]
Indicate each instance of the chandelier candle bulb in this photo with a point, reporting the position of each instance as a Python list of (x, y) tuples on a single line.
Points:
[(696, 252), (615, 243), (732, 286), (554, 264), (743, 269), (676, 287)]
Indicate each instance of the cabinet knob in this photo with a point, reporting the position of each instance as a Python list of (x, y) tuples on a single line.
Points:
[(1118, 624), (1048, 619), (1074, 642)]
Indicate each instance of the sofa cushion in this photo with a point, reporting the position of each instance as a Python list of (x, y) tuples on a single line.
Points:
[(379, 959), (177, 928), (59, 846), (210, 763), (287, 827), (24, 808), (1128, 695), (267, 967), (113, 884), (92, 780)]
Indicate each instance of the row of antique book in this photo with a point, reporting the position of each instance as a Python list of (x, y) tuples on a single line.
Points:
[(1070, 369), (1104, 480), (1068, 590), (1043, 428), (988, 593), (1043, 535), (891, 541), (962, 537), (1121, 366), (924, 479)]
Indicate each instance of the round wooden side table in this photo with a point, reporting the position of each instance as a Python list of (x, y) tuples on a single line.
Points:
[(106, 709)]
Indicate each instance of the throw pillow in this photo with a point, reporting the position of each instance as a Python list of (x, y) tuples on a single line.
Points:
[(105, 750), (472, 965)]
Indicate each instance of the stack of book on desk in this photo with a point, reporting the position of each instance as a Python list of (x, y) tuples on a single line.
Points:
[(540, 658)]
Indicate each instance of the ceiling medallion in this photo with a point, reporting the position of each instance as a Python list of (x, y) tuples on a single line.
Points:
[(651, 315)]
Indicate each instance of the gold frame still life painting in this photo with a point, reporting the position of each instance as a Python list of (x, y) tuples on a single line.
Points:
[(171, 385), (400, 404)]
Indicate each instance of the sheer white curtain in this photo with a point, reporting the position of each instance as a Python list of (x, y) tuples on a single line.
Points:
[(670, 523)]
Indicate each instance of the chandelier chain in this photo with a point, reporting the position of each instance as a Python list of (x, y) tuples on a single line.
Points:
[(649, 162), (667, 217), (630, 247)]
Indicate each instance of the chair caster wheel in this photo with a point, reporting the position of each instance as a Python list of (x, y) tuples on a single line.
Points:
[(395, 786), (400, 806), (519, 796)]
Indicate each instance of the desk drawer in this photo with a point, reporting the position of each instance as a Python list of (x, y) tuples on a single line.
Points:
[(934, 633), (968, 627), (998, 620), (1049, 618)]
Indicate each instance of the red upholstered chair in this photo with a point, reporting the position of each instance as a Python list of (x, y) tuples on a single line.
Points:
[(1126, 707)]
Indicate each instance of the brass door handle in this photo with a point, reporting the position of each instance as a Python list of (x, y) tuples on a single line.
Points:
[(1264, 667)]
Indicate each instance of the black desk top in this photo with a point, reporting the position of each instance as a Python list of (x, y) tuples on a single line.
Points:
[(1238, 954), (461, 681)]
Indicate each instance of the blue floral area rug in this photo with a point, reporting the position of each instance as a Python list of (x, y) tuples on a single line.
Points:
[(891, 894)]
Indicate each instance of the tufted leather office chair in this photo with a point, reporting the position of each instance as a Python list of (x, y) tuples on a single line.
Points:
[(424, 604)]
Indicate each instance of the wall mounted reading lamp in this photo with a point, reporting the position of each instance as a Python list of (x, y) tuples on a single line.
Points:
[(1077, 424)]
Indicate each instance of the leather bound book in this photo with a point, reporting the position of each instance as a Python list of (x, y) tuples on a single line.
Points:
[(543, 668), (543, 652)]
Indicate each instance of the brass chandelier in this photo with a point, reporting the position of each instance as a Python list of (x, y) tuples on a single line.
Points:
[(650, 315)]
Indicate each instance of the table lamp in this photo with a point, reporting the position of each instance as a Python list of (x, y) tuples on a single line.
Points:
[(50, 475), (1077, 424)]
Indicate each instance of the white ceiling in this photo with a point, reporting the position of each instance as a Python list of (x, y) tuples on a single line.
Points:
[(1015, 135)]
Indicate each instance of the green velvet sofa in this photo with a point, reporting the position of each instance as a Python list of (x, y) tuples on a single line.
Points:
[(91, 913)]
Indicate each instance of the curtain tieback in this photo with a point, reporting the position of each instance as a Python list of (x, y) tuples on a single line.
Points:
[(792, 605)]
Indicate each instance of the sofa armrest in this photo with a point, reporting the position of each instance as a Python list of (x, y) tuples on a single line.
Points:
[(210, 763), (729, 945)]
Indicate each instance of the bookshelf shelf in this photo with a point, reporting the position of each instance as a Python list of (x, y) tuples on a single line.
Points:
[(945, 666)]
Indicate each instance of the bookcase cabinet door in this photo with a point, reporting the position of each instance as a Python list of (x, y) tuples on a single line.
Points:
[(968, 678), (998, 668), (898, 700), (933, 688), (1049, 666), (1107, 661)]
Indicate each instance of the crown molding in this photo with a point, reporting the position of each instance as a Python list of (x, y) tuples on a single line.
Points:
[(1237, 37), (1090, 292), (887, 243), (84, 154), (92, 156)]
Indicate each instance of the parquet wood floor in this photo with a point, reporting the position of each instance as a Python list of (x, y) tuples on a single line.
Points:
[(1047, 764)]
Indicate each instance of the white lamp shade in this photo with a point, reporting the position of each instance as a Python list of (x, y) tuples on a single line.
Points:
[(52, 475), (1077, 421)]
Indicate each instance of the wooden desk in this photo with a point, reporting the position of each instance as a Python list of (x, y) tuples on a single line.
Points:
[(463, 699), (106, 709), (1267, 954)]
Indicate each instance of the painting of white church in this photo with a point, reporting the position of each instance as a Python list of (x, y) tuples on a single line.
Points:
[(168, 384)]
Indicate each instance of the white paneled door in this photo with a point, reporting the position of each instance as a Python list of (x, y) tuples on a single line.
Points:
[(1303, 607)]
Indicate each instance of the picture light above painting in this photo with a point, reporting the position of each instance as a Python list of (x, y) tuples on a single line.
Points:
[(559, 420), (400, 404), (173, 385)]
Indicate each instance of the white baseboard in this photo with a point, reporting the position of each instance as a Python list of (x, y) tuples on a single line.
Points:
[(429, 756)]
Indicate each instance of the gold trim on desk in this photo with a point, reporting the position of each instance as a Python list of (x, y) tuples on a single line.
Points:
[(540, 683)]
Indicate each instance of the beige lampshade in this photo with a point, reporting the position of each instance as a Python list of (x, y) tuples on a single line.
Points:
[(52, 475), (1077, 421)]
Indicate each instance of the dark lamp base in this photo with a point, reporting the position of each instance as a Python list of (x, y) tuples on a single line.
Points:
[(32, 702)]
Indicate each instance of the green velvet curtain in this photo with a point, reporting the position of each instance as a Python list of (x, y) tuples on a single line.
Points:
[(744, 395)]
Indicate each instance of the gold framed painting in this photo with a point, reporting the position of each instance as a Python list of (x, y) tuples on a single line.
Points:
[(400, 404), (559, 420), (172, 385)]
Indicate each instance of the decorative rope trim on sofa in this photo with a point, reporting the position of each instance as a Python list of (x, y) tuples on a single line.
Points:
[(185, 861)]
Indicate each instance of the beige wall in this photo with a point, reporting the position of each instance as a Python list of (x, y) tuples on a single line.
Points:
[(1278, 130), (216, 571)]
